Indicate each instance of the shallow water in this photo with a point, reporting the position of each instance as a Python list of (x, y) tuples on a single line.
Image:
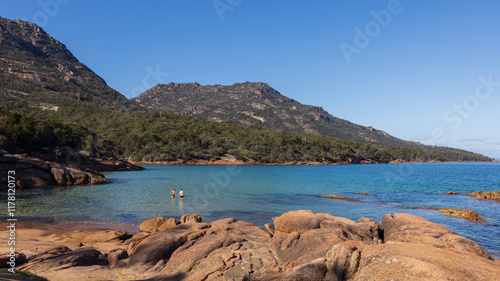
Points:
[(258, 193)]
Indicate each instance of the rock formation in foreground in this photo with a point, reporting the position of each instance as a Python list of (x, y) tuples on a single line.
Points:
[(301, 245)]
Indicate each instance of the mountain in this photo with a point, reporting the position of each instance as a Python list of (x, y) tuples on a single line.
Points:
[(54, 107), (259, 104), (38, 71)]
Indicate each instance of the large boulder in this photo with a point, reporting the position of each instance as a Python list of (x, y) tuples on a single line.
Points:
[(303, 236), (301, 245), (402, 227), (226, 247), (158, 224), (190, 218), (161, 223), (415, 248), (64, 175)]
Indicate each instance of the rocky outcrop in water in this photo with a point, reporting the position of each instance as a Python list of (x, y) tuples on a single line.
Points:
[(32, 172), (301, 245), (489, 195), (338, 197)]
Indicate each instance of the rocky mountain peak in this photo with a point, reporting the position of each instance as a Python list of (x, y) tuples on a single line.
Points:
[(22, 34), (256, 103), (32, 61)]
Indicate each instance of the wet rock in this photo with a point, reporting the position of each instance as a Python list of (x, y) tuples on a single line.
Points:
[(338, 197), (486, 195), (466, 214), (365, 194), (452, 193)]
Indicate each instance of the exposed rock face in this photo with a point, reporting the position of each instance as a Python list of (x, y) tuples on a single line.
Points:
[(227, 247), (415, 248), (90, 236), (32, 172), (303, 236), (59, 260), (31, 56), (490, 195), (301, 245), (115, 256), (258, 104), (108, 165)]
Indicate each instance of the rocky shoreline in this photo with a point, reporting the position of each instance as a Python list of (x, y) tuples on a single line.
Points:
[(300, 245), (230, 161), (34, 172)]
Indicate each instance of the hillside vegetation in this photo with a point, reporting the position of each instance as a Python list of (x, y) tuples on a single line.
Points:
[(50, 101)]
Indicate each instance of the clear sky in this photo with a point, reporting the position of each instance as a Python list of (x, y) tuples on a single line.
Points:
[(425, 71)]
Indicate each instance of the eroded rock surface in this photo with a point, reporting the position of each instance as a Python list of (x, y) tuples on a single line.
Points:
[(301, 245)]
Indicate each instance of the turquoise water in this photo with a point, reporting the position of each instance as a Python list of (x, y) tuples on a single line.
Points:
[(258, 193)]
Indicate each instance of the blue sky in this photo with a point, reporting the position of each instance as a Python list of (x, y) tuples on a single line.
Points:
[(420, 70)]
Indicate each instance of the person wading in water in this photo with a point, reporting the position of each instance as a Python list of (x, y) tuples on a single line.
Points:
[(172, 193)]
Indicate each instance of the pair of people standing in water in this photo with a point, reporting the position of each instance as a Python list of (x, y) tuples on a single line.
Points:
[(173, 193)]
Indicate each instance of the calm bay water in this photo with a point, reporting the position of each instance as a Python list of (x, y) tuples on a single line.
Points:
[(258, 193)]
